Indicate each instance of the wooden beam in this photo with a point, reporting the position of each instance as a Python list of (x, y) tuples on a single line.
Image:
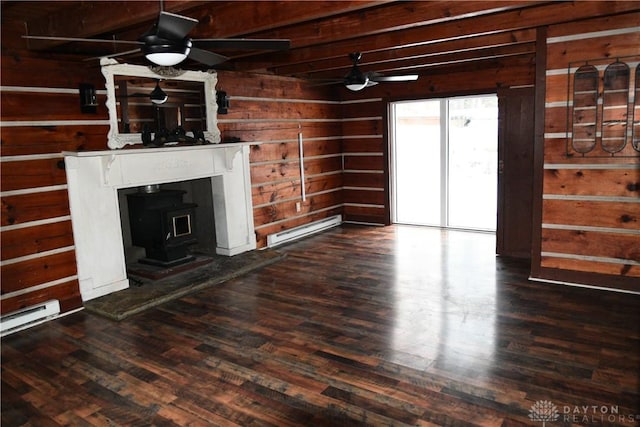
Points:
[(217, 19), (220, 19), (418, 64), (513, 20), (373, 58), (390, 17), (86, 19), (244, 18)]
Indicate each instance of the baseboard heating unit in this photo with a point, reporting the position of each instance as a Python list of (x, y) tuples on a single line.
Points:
[(29, 316), (303, 230)]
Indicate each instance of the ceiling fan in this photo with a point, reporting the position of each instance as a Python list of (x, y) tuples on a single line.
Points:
[(167, 43), (356, 80)]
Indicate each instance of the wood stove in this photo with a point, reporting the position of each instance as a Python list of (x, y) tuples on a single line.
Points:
[(163, 224)]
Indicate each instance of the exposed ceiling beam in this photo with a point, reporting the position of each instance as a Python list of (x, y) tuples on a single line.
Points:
[(417, 63), (381, 56), (421, 37), (243, 18), (221, 19), (90, 18), (393, 17), (509, 21), (217, 19)]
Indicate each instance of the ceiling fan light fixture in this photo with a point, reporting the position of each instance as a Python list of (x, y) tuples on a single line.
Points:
[(356, 86), (166, 59), (167, 55)]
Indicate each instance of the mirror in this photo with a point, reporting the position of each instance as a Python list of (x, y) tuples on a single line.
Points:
[(615, 102), (138, 111), (585, 108)]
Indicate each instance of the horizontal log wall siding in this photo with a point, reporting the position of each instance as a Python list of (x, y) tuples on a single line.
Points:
[(591, 204), (270, 112), (365, 143), (41, 117)]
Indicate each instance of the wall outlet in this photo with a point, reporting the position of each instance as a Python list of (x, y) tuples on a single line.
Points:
[(298, 207)]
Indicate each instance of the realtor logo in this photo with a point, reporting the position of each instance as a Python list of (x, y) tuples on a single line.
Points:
[(543, 410)]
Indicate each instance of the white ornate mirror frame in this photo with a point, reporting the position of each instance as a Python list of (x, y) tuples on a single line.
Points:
[(111, 68)]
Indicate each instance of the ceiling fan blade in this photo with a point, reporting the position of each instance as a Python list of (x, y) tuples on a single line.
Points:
[(243, 44), (405, 78), (76, 39), (325, 82), (174, 27), (114, 55), (206, 57)]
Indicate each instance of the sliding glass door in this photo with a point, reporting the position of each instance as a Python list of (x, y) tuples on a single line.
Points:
[(444, 162)]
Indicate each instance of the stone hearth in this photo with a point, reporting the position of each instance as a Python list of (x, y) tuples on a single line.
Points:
[(145, 294)]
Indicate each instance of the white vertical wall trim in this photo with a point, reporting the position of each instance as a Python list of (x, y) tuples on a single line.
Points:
[(303, 192)]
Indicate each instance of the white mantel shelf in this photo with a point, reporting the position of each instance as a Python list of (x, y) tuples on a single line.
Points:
[(94, 178), (168, 148)]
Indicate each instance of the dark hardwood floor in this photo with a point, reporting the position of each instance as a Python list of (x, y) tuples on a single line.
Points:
[(357, 326)]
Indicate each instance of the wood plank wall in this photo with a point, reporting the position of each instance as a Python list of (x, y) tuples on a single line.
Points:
[(41, 117), (365, 136), (271, 112), (591, 202)]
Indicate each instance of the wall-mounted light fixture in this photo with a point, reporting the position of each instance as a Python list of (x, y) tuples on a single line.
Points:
[(222, 99), (88, 100)]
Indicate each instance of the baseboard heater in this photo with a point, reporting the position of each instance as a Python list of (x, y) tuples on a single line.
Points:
[(303, 230), (29, 316)]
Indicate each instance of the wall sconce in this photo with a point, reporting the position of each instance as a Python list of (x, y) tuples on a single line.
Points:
[(88, 100), (223, 102)]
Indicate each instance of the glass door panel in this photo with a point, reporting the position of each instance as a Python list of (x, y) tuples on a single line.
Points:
[(473, 162), (417, 162), (445, 155)]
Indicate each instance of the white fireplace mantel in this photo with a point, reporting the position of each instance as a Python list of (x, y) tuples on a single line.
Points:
[(93, 182)]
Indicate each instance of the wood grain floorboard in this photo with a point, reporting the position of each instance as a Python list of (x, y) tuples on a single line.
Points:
[(378, 326)]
